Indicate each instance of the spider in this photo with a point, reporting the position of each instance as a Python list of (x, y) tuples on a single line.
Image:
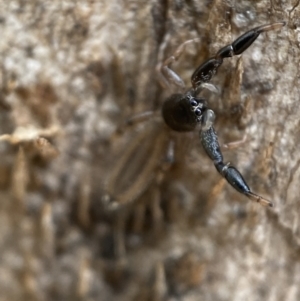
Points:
[(181, 112)]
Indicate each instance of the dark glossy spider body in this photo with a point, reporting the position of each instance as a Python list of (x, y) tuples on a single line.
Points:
[(182, 112)]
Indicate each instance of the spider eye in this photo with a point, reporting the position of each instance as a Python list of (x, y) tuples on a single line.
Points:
[(193, 102), (198, 112)]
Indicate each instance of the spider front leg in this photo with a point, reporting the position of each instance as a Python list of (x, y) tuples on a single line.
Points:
[(166, 75), (207, 70), (209, 140)]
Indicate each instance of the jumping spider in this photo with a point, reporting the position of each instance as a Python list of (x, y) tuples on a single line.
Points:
[(183, 112)]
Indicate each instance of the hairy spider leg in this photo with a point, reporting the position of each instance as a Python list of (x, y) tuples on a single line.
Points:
[(209, 141), (208, 69)]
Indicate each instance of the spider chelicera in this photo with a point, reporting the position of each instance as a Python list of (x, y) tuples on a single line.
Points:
[(183, 112)]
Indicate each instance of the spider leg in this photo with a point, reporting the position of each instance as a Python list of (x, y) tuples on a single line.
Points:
[(236, 143), (166, 75), (132, 121), (207, 70), (209, 140)]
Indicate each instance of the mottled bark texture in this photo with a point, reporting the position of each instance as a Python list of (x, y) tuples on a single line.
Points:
[(71, 72)]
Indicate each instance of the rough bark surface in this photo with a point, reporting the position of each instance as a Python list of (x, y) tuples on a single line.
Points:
[(71, 73)]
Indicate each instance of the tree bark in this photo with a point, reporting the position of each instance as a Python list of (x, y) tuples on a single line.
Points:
[(72, 72)]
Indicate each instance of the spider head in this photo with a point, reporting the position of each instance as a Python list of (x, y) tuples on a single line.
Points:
[(182, 112)]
